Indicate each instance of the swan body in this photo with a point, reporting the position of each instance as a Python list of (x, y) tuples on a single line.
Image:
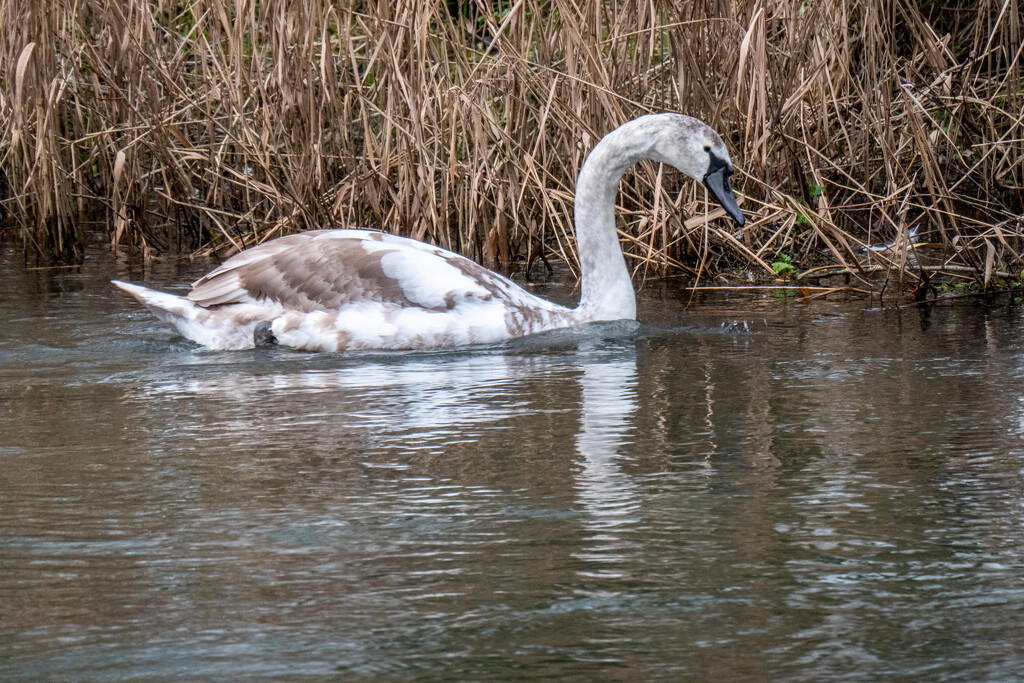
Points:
[(335, 290)]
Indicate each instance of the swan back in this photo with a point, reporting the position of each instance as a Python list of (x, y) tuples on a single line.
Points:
[(325, 270)]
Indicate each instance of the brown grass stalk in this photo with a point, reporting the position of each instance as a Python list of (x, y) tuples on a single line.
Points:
[(213, 125)]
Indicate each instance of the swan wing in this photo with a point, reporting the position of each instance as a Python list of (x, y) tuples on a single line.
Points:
[(326, 270)]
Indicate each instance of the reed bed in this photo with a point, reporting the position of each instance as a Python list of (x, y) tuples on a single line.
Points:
[(187, 126)]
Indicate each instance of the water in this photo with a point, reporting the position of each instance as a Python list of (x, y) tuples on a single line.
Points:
[(747, 490)]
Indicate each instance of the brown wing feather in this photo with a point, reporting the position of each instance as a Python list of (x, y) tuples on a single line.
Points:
[(302, 273)]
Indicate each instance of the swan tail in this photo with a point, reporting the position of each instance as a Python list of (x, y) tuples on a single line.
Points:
[(168, 307), (213, 329)]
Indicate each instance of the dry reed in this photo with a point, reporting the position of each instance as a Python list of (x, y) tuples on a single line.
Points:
[(217, 124)]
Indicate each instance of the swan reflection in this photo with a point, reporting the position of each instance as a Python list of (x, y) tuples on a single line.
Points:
[(403, 401), (607, 493), (483, 412)]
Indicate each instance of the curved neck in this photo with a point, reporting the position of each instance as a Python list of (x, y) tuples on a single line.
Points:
[(606, 289)]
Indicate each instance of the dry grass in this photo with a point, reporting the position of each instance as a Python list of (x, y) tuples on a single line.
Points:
[(216, 124)]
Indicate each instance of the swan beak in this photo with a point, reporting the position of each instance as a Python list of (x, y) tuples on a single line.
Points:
[(718, 184)]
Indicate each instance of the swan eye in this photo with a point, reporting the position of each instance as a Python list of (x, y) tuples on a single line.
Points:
[(707, 148)]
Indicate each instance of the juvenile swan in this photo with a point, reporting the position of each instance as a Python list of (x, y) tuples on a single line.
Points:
[(332, 290)]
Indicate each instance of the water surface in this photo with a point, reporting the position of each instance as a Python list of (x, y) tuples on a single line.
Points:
[(749, 489)]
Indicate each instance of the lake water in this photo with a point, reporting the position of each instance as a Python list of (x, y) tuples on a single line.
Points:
[(748, 489)]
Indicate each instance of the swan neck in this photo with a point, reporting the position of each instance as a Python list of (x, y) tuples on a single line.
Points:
[(606, 287)]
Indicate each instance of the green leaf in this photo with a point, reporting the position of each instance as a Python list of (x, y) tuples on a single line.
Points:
[(783, 266)]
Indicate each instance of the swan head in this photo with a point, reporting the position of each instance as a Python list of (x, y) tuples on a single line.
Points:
[(697, 150)]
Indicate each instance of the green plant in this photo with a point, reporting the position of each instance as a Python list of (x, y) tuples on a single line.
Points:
[(783, 266)]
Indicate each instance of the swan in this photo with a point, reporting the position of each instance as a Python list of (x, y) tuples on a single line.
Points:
[(347, 289)]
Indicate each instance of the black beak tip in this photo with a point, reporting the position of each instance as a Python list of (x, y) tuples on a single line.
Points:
[(717, 182)]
